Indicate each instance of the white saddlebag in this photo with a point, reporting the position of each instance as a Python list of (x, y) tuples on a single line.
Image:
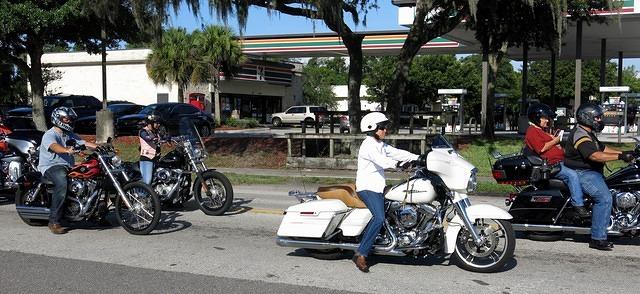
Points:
[(313, 219)]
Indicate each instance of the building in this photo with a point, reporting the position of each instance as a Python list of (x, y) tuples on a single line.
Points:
[(259, 88), (342, 95)]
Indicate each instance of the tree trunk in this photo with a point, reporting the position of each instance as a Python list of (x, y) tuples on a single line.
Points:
[(398, 87), (489, 125), (37, 87), (181, 94), (354, 47), (216, 99)]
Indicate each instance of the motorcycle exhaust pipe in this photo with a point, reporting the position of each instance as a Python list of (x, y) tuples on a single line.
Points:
[(286, 242), (554, 228), (33, 212)]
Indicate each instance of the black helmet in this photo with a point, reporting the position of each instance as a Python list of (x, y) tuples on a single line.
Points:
[(538, 111), (587, 114), (153, 117)]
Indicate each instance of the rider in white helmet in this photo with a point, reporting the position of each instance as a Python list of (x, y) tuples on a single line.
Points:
[(56, 158), (374, 157)]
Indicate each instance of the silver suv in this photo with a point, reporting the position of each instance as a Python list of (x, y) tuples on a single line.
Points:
[(297, 114)]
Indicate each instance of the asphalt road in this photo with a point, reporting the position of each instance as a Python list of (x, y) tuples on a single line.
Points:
[(236, 253)]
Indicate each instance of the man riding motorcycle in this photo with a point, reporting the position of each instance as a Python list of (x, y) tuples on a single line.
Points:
[(587, 155), (56, 158)]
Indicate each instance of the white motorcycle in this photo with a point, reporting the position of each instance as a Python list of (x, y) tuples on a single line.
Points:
[(427, 214)]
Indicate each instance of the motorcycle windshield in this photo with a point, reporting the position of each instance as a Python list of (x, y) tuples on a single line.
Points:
[(440, 142), (188, 129)]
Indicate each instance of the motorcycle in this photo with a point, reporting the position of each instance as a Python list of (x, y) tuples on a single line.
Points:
[(21, 158), (429, 213), (137, 206), (172, 175), (541, 207)]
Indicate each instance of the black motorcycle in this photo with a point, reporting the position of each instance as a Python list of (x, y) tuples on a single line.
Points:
[(21, 158), (172, 175), (542, 207)]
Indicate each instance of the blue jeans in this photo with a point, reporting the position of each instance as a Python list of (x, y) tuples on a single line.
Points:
[(58, 175), (146, 170), (375, 204), (593, 184), (570, 177)]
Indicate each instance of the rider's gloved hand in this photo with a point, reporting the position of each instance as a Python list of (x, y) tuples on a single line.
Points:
[(404, 164), (627, 156)]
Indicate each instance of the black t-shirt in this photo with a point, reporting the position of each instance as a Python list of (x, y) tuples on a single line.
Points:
[(579, 146)]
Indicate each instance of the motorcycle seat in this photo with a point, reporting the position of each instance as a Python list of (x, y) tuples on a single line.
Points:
[(343, 192), (533, 158), (555, 184)]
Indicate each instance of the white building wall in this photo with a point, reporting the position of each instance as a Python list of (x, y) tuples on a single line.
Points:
[(342, 93), (127, 77)]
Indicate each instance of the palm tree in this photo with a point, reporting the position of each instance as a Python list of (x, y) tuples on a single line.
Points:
[(218, 51), (172, 60)]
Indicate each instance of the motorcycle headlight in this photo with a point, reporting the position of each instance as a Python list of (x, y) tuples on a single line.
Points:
[(116, 161), (197, 153), (472, 185)]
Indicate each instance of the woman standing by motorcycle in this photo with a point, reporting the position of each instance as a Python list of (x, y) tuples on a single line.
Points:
[(149, 147), (374, 157)]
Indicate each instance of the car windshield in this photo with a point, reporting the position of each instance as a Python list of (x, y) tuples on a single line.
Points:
[(118, 108), (51, 101), (149, 109), (440, 142)]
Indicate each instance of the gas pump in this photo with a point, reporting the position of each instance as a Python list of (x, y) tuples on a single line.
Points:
[(452, 109), (615, 109)]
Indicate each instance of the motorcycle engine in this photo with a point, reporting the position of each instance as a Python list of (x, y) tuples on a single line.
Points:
[(413, 222), (165, 181), (78, 198), (625, 200)]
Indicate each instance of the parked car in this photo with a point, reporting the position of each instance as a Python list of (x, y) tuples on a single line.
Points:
[(81, 104), (345, 125), (87, 124), (170, 113), (296, 114)]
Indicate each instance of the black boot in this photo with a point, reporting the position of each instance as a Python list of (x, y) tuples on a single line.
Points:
[(601, 245), (582, 212)]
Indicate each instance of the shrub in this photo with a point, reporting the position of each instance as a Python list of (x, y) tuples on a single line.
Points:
[(244, 123)]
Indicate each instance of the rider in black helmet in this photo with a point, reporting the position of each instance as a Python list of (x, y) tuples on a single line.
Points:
[(587, 155), (542, 142)]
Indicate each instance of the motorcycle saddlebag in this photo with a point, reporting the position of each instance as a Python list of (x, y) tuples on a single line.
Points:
[(537, 206), (513, 170), (313, 219)]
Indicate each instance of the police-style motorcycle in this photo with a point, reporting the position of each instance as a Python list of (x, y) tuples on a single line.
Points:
[(542, 207)]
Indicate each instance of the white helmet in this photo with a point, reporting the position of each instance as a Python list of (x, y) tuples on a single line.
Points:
[(371, 121)]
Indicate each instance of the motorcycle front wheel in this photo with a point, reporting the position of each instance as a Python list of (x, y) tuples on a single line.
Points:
[(491, 256), (213, 193), (144, 214)]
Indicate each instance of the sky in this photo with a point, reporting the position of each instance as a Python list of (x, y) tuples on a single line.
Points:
[(262, 23)]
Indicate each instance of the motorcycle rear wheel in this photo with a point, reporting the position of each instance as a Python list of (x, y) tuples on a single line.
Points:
[(219, 186), (325, 254), (144, 215), (493, 254), (20, 199)]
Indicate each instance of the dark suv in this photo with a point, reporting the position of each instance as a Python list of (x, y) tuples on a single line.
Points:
[(81, 104), (170, 115)]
